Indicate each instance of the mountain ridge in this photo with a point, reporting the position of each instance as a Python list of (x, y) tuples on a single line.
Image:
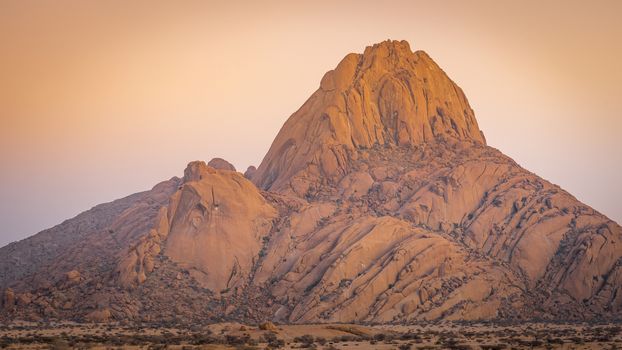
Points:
[(379, 201)]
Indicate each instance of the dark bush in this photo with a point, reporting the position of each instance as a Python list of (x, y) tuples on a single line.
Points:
[(379, 337), (306, 340)]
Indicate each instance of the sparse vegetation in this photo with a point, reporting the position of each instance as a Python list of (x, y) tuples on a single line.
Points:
[(485, 336)]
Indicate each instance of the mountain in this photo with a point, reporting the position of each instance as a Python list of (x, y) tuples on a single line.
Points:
[(378, 201)]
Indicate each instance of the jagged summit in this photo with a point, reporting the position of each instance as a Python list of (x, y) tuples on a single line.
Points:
[(386, 96)]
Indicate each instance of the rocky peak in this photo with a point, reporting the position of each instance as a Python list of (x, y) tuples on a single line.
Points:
[(194, 171), (387, 96), (389, 54), (391, 95), (216, 223)]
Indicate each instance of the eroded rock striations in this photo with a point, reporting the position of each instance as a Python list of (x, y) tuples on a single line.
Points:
[(378, 201)]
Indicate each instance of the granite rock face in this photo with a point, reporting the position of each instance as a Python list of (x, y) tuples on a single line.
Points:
[(378, 201), (386, 96), (217, 225)]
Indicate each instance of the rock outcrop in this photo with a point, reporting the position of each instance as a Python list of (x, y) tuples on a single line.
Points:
[(250, 171), (221, 164), (217, 223), (378, 201)]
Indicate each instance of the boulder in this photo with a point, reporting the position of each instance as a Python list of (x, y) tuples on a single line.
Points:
[(250, 171), (221, 164)]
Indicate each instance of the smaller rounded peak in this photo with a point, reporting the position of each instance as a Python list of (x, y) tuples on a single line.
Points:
[(221, 164), (195, 169), (250, 171)]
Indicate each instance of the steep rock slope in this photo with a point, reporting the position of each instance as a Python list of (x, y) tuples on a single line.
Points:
[(378, 201)]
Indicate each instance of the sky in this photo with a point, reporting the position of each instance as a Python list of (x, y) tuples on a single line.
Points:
[(101, 99)]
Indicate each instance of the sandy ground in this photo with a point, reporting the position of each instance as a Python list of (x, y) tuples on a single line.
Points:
[(22, 335)]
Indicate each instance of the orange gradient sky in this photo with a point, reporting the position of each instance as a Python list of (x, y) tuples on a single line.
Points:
[(101, 99)]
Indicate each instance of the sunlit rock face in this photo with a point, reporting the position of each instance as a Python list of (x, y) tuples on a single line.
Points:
[(217, 222), (386, 96)]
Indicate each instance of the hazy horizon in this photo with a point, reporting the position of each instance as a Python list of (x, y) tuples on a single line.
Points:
[(100, 100)]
